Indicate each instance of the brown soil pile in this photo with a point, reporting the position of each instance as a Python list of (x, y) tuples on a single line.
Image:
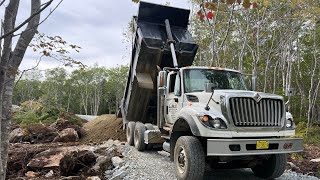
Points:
[(103, 128)]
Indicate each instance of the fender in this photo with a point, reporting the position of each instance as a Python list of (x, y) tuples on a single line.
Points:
[(179, 125)]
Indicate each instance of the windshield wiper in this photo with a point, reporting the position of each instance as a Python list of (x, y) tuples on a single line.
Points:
[(207, 106)]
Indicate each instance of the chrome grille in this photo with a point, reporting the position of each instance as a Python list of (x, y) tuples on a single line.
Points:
[(247, 112)]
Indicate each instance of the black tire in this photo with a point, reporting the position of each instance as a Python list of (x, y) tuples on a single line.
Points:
[(139, 137), (272, 167), (189, 158), (130, 132)]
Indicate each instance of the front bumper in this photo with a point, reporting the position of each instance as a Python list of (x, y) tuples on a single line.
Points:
[(244, 147)]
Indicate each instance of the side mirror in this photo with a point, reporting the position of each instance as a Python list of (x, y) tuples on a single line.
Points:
[(289, 92), (209, 87), (253, 83), (162, 79)]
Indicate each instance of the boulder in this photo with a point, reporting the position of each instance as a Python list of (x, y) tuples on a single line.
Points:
[(117, 161), (51, 159), (48, 159), (67, 135), (100, 162), (73, 162), (17, 135), (315, 160)]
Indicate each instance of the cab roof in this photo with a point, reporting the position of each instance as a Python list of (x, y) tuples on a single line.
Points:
[(210, 67)]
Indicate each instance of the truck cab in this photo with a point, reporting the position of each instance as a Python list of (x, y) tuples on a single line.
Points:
[(231, 122)]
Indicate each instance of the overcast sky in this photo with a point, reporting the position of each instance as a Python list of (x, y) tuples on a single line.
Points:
[(94, 25)]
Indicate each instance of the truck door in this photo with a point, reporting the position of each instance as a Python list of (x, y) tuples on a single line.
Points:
[(173, 102)]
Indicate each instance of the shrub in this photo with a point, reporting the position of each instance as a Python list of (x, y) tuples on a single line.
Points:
[(26, 118)]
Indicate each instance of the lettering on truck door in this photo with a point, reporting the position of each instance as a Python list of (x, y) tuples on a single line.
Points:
[(173, 98)]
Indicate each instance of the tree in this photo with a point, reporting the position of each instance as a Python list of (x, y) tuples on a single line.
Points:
[(275, 41), (11, 57)]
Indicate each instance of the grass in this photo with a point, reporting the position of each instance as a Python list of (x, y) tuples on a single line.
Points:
[(313, 136)]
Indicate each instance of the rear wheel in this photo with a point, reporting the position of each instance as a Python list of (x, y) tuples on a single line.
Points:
[(189, 158), (130, 132), (139, 137), (272, 167)]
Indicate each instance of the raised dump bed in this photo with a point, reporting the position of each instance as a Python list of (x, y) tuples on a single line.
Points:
[(150, 52)]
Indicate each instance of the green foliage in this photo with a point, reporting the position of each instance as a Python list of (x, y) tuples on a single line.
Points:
[(32, 106), (25, 118), (267, 39), (93, 90), (71, 118), (29, 116), (313, 136)]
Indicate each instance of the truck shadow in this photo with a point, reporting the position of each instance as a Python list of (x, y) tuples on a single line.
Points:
[(230, 174), (217, 174)]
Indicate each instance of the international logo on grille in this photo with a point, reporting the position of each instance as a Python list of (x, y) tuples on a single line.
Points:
[(257, 97)]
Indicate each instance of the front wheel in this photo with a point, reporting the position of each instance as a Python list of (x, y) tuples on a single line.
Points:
[(189, 158), (272, 167)]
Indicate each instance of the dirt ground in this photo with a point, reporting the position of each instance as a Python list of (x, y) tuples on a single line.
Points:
[(97, 131), (103, 128), (303, 163), (107, 127)]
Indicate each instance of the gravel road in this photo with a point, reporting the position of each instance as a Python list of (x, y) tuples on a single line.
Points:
[(157, 165)]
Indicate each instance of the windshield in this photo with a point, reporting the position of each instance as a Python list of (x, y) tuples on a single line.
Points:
[(195, 80)]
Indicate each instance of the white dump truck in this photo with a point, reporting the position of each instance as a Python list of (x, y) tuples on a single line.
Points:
[(200, 115)]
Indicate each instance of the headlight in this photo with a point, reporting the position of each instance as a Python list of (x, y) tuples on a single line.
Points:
[(215, 123), (289, 123), (289, 120), (208, 121)]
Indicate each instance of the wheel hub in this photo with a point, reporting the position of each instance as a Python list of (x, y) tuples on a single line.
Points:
[(182, 160)]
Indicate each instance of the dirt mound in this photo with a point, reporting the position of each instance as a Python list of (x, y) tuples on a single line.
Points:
[(103, 128)]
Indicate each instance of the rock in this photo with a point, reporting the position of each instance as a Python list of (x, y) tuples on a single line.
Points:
[(315, 160), (93, 178), (15, 108), (67, 135), (47, 159), (119, 175), (38, 133), (117, 142), (100, 161), (109, 172), (117, 161), (63, 123), (50, 159), (49, 174), (106, 144), (293, 166), (17, 135), (31, 174), (75, 161)]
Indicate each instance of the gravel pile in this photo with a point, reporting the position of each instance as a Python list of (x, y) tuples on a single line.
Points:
[(157, 165)]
